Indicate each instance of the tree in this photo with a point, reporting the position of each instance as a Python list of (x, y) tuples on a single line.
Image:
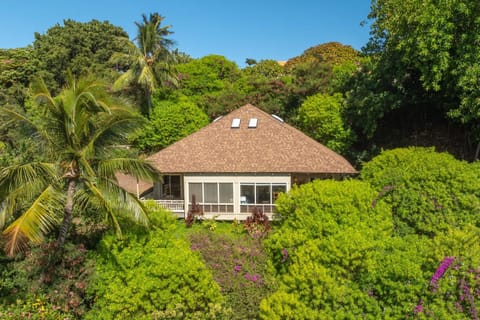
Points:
[(211, 82), (170, 121), (426, 57), (16, 70), (150, 61), (79, 133), (78, 47), (332, 53), (320, 117)]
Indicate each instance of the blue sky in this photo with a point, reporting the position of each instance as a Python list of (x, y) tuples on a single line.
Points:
[(236, 29)]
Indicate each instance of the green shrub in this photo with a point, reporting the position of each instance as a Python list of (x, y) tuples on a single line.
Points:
[(328, 236), (153, 275), (336, 257), (34, 307), (322, 209), (428, 191)]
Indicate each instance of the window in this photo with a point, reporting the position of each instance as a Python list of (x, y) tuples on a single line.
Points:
[(260, 193), (211, 192), (196, 191), (225, 191), (252, 123), (277, 189), (263, 194), (212, 196), (247, 193), (171, 188)]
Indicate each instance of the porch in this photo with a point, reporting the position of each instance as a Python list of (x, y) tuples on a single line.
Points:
[(177, 207), (222, 197)]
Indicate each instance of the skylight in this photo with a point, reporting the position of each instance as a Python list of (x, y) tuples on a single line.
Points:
[(252, 123), (236, 123)]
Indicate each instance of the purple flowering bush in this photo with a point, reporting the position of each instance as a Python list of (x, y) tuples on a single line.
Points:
[(336, 254), (453, 291), (239, 266)]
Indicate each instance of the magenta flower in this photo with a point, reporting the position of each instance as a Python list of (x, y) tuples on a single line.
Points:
[(237, 268), (252, 277), (468, 297), (419, 307), (442, 268)]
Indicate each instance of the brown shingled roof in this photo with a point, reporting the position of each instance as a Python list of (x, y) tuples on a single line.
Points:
[(271, 147), (132, 185)]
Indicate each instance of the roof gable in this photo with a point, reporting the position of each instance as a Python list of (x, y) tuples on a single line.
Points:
[(264, 145)]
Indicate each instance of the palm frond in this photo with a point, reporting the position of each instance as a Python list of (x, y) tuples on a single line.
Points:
[(112, 131), (42, 95), (115, 202), (17, 199), (124, 80), (138, 168), (21, 184), (12, 116), (147, 78), (35, 222), (104, 202), (21, 176)]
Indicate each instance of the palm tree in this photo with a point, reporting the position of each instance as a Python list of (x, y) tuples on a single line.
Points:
[(151, 62), (80, 132)]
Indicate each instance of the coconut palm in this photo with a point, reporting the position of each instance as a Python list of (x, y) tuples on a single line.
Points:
[(151, 62), (79, 132)]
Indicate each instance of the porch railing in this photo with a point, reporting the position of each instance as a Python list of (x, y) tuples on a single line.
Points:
[(176, 206)]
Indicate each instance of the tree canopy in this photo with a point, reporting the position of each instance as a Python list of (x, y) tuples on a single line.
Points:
[(78, 47)]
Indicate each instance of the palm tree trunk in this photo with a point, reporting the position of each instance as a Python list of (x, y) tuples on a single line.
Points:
[(67, 216), (149, 101)]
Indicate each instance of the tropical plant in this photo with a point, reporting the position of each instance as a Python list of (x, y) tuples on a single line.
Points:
[(79, 133), (151, 61), (152, 275), (239, 266)]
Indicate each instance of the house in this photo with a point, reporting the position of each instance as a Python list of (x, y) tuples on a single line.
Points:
[(238, 162)]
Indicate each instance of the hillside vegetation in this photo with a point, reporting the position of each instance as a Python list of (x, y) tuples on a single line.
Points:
[(401, 240)]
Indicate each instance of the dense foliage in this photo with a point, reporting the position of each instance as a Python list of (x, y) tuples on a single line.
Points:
[(153, 275), (419, 85), (327, 236), (400, 242), (429, 192), (337, 254), (320, 116), (78, 47), (170, 121), (34, 288)]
